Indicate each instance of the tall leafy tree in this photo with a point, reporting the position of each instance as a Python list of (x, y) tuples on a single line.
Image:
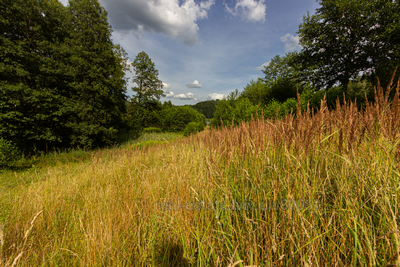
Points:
[(282, 77), (95, 77), (29, 102), (282, 67), (61, 77), (345, 38), (386, 39), (257, 92), (148, 87)]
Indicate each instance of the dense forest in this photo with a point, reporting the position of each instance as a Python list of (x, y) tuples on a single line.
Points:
[(62, 78)]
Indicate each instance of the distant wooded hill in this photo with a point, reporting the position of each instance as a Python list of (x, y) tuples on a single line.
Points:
[(207, 108)]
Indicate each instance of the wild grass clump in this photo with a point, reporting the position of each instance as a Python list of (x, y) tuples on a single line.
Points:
[(316, 189)]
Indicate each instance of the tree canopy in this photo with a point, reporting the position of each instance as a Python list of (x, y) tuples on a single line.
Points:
[(61, 77), (207, 108), (346, 38), (149, 87)]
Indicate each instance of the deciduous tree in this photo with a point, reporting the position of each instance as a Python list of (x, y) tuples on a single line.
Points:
[(61, 77), (347, 37)]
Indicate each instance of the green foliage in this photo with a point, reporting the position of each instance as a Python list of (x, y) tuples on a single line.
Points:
[(8, 153), (61, 76), (177, 117), (140, 116), (359, 89), (282, 67), (97, 84), (282, 89), (233, 111), (29, 103), (346, 37), (164, 116), (207, 108), (257, 92), (148, 89), (280, 82), (276, 109), (192, 128), (282, 77), (224, 113), (144, 108)]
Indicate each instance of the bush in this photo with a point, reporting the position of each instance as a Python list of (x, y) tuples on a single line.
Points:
[(175, 119), (192, 128), (8, 153), (238, 110)]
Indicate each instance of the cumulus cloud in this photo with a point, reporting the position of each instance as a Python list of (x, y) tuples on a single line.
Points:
[(216, 96), (266, 64), (166, 87), (169, 94), (188, 96), (162, 16), (194, 84), (252, 10), (291, 42)]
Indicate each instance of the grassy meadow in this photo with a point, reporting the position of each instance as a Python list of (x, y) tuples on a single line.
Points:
[(308, 190)]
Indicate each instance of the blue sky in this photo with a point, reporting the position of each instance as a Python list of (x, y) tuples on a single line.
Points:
[(205, 49)]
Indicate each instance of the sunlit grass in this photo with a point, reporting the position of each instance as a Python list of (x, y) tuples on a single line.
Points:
[(318, 190), (165, 136)]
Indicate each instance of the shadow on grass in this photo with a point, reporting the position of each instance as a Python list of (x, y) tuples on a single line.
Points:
[(171, 254)]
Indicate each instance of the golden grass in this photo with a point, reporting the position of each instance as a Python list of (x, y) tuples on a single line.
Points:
[(150, 206)]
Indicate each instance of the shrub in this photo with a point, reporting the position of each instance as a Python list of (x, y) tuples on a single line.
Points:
[(176, 118), (8, 153), (192, 128), (238, 110)]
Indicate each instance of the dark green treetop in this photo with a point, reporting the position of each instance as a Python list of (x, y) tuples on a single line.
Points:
[(61, 77), (345, 38), (149, 87)]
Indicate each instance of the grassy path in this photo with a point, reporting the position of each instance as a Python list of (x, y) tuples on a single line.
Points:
[(28, 171)]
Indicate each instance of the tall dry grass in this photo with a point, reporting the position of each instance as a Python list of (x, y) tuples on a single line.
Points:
[(307, 190)]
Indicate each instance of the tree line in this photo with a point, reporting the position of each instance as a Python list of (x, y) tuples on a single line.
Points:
[(145, 110)]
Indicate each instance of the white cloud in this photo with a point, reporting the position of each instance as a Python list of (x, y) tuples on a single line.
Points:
[(291, 42), (129, 62), (252, 10), (188, 96), (194, 84), (216, 96), (170, 94), (166, 87), (162, 16), (266, 64)]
